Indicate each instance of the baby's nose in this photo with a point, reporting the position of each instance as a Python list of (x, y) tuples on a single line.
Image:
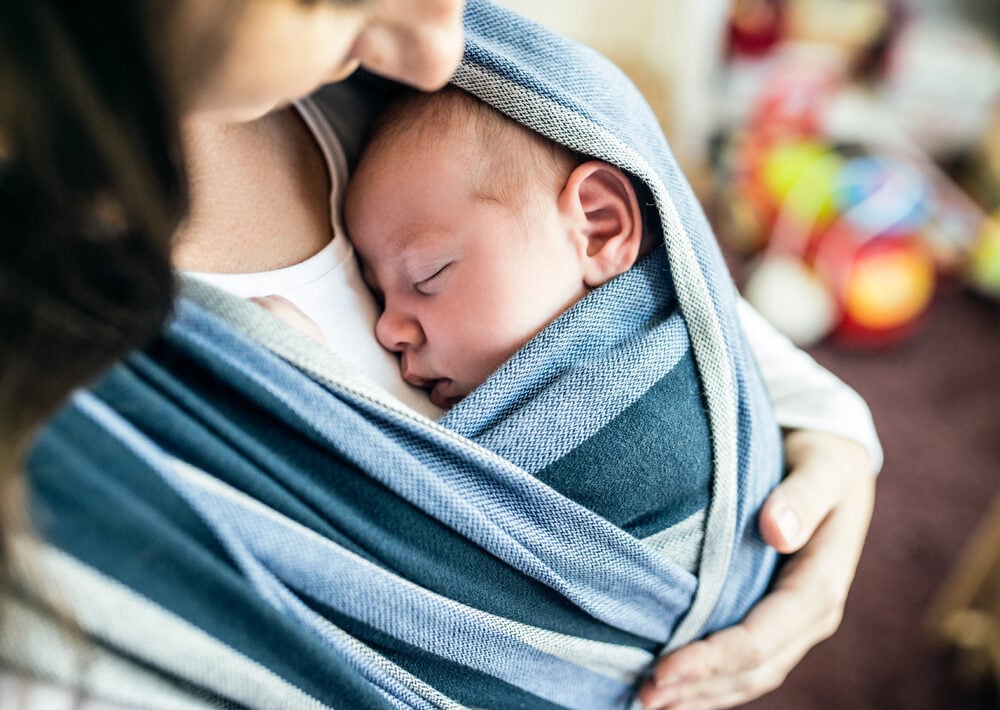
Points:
[(397, 331)]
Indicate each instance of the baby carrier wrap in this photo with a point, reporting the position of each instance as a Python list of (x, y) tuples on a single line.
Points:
[(234, 517)]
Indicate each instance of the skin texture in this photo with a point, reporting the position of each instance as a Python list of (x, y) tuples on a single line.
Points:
[(282, 50), (238, 123), (466, 279), (829, 489)]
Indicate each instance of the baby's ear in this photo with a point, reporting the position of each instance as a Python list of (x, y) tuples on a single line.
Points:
[(608, 219)]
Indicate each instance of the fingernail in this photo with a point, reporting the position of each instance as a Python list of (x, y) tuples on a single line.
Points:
[(788, 524), (636, 705)]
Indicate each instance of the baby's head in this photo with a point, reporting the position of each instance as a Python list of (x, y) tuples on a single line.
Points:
[(475, 233)]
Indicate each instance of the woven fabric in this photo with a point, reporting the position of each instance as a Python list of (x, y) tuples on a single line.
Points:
[(588, 507)]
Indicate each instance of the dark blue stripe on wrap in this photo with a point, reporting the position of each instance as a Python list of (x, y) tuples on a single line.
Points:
[(91, 497), (612, 381), (651, 466)]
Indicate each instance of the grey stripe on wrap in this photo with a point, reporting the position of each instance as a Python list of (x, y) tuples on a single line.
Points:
[(622, 663), (681, 543), (115, 614)]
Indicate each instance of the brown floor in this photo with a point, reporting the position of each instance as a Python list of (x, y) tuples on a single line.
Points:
[(936, 403)]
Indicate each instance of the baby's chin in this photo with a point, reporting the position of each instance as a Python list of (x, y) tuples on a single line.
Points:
[(445, 394)]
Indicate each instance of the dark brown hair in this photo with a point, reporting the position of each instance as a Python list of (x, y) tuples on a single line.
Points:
[(91, 190)]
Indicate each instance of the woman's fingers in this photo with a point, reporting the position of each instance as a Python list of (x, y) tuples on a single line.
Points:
[(795, 509), (287, 311), (821, 467), (738, 663)]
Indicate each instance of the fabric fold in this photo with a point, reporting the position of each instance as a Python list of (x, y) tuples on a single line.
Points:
[(590, 506)]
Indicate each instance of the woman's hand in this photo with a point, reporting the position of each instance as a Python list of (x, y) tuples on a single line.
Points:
[(292, 315), (821, 512)]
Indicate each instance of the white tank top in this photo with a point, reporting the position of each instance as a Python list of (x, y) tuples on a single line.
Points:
[(328, 286)]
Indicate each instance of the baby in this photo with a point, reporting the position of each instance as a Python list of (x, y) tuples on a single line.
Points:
[(475, 233)]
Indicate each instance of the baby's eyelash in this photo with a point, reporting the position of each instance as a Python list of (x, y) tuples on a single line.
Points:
[(421, 285)]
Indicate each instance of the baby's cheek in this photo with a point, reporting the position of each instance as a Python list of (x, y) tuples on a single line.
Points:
[(497, 356)]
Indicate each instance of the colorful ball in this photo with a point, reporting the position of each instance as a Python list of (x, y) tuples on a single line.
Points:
[(882, 284), (881, 195), (800, 176), (889, 288), (796, 301)]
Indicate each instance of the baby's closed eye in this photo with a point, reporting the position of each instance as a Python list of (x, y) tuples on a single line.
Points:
[(429, 285)]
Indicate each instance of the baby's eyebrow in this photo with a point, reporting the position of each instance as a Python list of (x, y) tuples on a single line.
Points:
[(418, 254)]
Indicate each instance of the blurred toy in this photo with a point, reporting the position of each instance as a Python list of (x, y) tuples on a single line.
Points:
[(881, 283), (844, 255), (834, 178), (984, 262), (798, 176), (880, 195), (755, 26), (793, 298), (793, 96), (942, 82), (762, 179), (873, 256)]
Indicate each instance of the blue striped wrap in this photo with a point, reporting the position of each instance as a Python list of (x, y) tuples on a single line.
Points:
[(283, 534)]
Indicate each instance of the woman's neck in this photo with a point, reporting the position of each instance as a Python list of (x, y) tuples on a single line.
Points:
[(260, 195)]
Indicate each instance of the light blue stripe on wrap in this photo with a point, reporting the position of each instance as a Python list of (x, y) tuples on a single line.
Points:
[(284, 559), (394, 682), (498, 506)]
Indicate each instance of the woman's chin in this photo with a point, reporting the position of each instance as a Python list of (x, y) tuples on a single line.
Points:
[(246, 113)]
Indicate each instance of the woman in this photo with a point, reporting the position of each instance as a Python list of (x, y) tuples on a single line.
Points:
[(210, 81)]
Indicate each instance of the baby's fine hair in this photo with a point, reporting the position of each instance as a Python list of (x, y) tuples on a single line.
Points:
[(516, 158)]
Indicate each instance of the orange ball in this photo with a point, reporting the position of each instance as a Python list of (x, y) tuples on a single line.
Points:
[(883, 284)]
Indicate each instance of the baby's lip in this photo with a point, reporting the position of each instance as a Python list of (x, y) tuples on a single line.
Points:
[(440, 396), (410, 376), (417, 380), (440, 389)]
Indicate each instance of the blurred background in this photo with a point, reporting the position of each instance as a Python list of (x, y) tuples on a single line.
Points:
[(847, 153)]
